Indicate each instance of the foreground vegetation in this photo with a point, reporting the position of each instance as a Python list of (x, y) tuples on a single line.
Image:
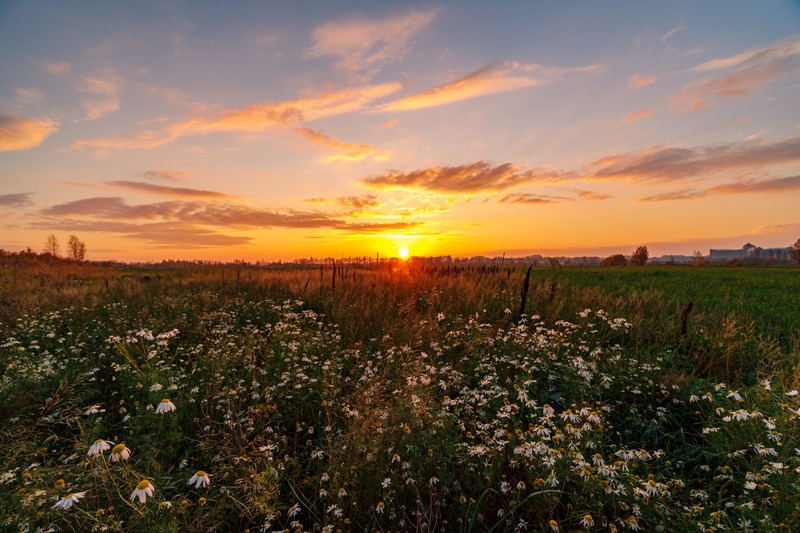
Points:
[(397, 398)]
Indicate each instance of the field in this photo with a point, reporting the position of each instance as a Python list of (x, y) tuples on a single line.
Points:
[(398, 397)]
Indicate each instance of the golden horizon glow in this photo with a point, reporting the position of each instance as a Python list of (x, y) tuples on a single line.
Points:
[(402, 252)]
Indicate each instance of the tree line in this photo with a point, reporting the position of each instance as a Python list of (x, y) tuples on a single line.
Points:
[(76, 248)]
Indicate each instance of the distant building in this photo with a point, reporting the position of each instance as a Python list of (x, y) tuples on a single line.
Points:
[(751, 253)]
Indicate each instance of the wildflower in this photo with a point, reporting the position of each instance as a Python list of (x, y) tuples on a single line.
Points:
[(587, 521), (120, 452), (200, 479), (554, 526), (164, 505), (379, 508), (165, 406), (67, 502), (99, 446), (143, 490), (293, 510), (342, 492)]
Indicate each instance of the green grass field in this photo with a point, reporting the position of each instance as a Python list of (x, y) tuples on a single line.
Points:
[(398, 398)]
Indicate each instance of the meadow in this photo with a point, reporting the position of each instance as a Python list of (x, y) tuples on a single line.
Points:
[(398, 397)]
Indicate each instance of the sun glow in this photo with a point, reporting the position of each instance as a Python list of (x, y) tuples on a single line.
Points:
[(402, 252)]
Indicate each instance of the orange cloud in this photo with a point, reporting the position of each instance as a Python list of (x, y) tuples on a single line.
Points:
[(103, 213), (495, 78), (670, 164), (527, 198), (639, 115), (361, 43), (23, 133), (637, 82), (775, 185), (464, 179), (181, 192), (752, 68), (344, 151), (252, 119), (358, 203)]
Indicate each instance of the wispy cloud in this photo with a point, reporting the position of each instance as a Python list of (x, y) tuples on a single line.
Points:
[(672, 163), (104, 90), (671, 33), (639, 115), (25, 95), (253, 118), (637, 82), (181, 192), (750, 69), (19, 133), (362, 44), (774, 185), (499, 77), (56, 67), (14, 201), (464, 179), (165, 175), (343, 151), (527, 198)]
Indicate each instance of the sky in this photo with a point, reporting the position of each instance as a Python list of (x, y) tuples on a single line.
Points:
[(280, 130)]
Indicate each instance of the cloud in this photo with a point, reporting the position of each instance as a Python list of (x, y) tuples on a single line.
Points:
[(667, 36), (472, 178), (637, 82), (360, 43), (181, 192), (166, 175), (16, 200), (17, 133), (358, 203), (499, 77), (104, 89), (752, 68), (253, 118), (774, 185), (526, 198), (672, 163), (57, 67), (639, 115), (344, 151), (592, 195), (193, 213), (27, 96)]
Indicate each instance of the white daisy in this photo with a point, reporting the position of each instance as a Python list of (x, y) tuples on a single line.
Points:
[(67, 502), (165, 406), (99, 446), (143, 490), (120, 452), (200, 479)]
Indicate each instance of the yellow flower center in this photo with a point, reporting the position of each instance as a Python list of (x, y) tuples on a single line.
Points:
[(119, 448), (165, 400), (98, 441), (143, 485), (200, 473)]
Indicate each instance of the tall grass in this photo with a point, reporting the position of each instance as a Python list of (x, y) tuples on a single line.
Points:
[(397, 398)]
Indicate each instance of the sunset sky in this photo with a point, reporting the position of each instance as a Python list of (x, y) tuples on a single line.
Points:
[(279, 130)]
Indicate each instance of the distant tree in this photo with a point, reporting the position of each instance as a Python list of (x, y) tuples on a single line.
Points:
[(795, 251), (52, 246), (614, 260), (640, 256), (77, 248)]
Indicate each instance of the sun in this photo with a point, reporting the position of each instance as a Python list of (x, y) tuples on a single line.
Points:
[(402, 252)]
